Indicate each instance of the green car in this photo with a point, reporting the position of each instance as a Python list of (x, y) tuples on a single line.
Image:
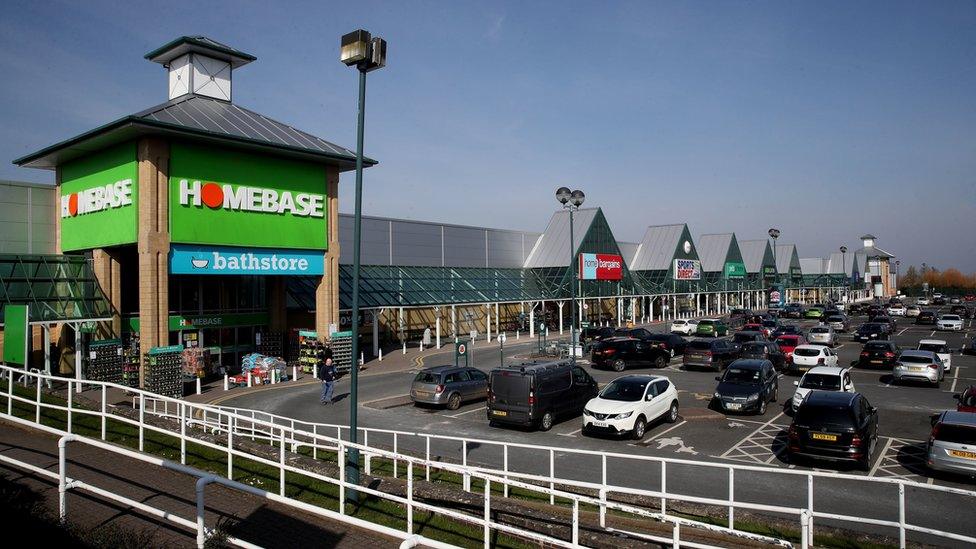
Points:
[(712, 327), (814, 312)]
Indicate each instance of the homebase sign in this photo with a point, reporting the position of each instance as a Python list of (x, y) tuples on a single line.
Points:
[(212, 260)]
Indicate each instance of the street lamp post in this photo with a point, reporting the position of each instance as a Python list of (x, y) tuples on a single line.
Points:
[(774, 234), (843, 267), (571, 200), (367, 54)]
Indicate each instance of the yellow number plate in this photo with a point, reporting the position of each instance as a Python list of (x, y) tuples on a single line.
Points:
[(823, 436), (961, 454), (499, 413)]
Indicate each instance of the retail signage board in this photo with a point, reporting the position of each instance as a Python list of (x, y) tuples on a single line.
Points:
[(777, 297), (227, 197), (222, 260), (687, 269), (15, 332), (196, 322), (601, 267), (769, 272), (99, 199), (796, 273), (735, 270)]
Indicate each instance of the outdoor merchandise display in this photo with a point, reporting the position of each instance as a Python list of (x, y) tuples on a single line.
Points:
[(269, 343), (130, 360), (105, 360), (341, 344), (261, 368), (311, 352), (197, 362), (164, 371)]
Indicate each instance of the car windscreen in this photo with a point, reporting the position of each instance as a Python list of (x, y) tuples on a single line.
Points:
[(820, 381), (877, 346), (625, 390), (755, 349), (957, 434), (742, 337), (816, 416), (915, 359), (741, 375), (705, 322), (933, 347), (806, 352), (950, 317), (700, 345), (870, 328), (427, 377), (788, 341), (510, 386), (769, 323)]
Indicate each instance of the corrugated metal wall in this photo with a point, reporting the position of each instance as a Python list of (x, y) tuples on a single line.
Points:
[(26, 218)]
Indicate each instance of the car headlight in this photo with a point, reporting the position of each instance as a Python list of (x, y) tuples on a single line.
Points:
[(752, 398), (624, 415), (717, 395), (587, 412)]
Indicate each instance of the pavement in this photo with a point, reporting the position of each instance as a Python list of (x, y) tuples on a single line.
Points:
[(245, 516)]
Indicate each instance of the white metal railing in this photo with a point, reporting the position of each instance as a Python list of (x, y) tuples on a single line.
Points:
[(234, 424), (399, 438)]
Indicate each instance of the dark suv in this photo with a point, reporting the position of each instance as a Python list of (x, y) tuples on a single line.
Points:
[(747, 386), (710, 353), (835, 426), (764, 350), (926, 317), (870, 332), (674, 344), (537, 394), (619, 353), (589, 336), (878, 354)]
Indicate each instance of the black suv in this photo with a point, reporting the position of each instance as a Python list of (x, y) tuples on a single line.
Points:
[(835, 426), (536, 394), (878, 354), (871, 331), (674, 344), (793, 310), (926, 317), (961, 310), (710, 353), (747, 386), (591, 335), (764, 350), (620, 353)]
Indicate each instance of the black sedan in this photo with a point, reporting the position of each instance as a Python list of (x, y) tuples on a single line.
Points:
[(878, 354), (835, 426), (926, 317), (747, 386), (870, 332)]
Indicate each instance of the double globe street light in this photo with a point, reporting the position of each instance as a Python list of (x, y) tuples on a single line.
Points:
[(571, 200)]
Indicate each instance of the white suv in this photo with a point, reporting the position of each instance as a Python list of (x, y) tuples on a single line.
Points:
[(627, 404), (940, 348), (822, 378)]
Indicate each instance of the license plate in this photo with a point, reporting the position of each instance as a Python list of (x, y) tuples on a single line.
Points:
[(917, 369), (733, 406), (500, 413), (597, 424), (824, 436), (423, 393), (962, 454), (876, 362)]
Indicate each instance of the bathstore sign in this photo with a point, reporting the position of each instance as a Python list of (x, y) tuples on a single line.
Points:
[(97, 199), (601, 267), (687, 269), (211, 260)]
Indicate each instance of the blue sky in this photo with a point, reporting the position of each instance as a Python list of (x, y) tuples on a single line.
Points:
[(825, 119)]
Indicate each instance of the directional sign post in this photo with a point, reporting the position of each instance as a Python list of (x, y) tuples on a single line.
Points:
[(460, 351), (501, 350)]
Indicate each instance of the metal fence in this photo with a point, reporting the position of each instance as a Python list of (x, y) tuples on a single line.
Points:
[(235, 425)]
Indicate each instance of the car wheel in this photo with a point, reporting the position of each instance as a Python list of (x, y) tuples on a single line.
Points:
[(762, 406), (775, 393), (618, 365), (640, 427), (454, 402), (546, 422), (659, 362), (673, 412)]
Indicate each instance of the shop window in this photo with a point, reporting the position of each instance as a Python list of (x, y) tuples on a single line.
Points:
[(210, 292)]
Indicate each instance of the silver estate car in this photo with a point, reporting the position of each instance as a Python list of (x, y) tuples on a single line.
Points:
[(822, 335), (449, 386), (952, 444), (923, 366), (839, 323)]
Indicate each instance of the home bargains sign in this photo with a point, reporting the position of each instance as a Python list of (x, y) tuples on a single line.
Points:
[(687, 269), (226, 197), (601, 267)]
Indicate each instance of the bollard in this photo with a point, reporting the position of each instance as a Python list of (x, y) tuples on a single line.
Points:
[(315, 371), (362, 358), (248, 378), (198, 386), (381, 355), (421, 346), (294, 373), (404, 347), (226, 382)]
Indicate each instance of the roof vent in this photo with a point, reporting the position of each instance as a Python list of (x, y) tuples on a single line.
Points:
[(200, 66)]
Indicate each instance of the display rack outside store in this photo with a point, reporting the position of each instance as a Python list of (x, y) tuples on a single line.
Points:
[(105, 360), (341, 343), (164, 371)]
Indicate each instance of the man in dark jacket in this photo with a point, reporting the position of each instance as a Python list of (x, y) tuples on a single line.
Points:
[(327, 374)]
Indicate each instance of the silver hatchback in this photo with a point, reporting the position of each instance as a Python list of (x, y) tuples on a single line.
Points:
[(952, 444), (449, 386), (822, 335), (924, 366)]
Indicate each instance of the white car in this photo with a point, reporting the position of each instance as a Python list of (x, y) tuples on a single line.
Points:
[(922, 301), (822, 378), (811, 356), (686, 327), (940, 348), (627, 404), (949, 322), (896, 310), (912, 311)]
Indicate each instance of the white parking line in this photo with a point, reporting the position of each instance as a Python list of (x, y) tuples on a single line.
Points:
[(902, 331), (467, 412), (955, 379), (573, 434), (668, 430), (750, 435), (880, 458), (932, 334)]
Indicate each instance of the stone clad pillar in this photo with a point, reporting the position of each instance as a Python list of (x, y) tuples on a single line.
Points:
[(153, 244), (108, 272), (327, 292)]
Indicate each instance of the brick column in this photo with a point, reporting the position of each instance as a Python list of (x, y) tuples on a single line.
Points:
[(327, 292), (153, 246), (108, 272)]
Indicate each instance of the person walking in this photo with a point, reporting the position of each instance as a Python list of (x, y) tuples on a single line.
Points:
[(327, 374), (427, 337)]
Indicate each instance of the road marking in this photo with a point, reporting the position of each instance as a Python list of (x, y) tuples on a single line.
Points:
[(902, 331), (750, 435), (877, 462), (932, 334), (955, 379), (467, 412), (573, 434), (668, 430)]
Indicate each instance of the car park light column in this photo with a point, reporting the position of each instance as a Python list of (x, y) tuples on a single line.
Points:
[(571, 200)]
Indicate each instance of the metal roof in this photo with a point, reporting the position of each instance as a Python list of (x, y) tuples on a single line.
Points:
[(208, 46), (874, 252), (713, 250), (839, 264), (753, 253), (784, 257), (812, 265), (552, 248), (628, 250), (198, 117), (656, 249)]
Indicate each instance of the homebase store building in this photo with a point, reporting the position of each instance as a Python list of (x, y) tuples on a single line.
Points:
[(201, 223)]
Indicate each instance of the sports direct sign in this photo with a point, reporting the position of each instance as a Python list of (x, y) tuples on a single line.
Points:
[(687, 269), (601, 267), (97, 199), (243, 198)]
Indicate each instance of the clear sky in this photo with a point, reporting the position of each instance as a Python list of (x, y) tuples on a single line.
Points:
[(825, 119)]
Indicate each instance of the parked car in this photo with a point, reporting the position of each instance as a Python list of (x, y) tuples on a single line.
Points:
[(627, 404), (871, 331), (739, 314), (792, 310), (925, 318), (448, 386), (747, 386), (954, 300), (537, 394), (887, 321), (912, 311), (789, 342), (923, 301), (764, 350), (757, 328), (970, 348), (714, 327), (813, 312), (747, 336), (961, 310), (822, 378), (620, 353), (839, 323), (924, 366), (951, 446), (967, 400), (835, 426), (681, 326), (770, 325), (809, 356), (938, 301), (786, 329), (952, 323), (969, 298), (939, 347), (896, 310), (713, 354), (673, 344), (822, 335), (591, 335), (878, 354)]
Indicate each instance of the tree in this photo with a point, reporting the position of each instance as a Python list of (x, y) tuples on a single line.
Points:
[(910, 279)]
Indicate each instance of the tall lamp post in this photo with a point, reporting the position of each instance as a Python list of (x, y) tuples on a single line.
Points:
[(897, 263), (843, 267), (774, 234), (571, 200), (366, 53)]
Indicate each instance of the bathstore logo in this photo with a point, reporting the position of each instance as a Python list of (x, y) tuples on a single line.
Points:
[(97, 199), (208, 260), (250, 199)]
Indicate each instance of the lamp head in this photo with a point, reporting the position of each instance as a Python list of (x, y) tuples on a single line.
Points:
[(577, 198), (563, 194), (354, 47), (843, 249), (774, 233)]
